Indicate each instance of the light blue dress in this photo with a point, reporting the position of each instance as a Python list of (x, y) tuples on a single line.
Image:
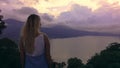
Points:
[(37, 59)]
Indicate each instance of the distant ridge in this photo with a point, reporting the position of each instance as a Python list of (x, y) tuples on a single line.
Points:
[(59, 31)]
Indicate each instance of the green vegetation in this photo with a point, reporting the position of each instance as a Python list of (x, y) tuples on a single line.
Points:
[(9, 54), (75, 63), (107, 58), (2, 24), (58, 65)]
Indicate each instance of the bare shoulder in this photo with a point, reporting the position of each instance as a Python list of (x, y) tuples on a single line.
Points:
[(44, 34)]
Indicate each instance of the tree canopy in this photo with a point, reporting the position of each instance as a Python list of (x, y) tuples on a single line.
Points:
[(108, 58), (9, 54)]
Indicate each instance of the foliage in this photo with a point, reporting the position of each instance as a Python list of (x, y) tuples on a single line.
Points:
[(9, 54), (75, 63), (58, 65), (108, 58)]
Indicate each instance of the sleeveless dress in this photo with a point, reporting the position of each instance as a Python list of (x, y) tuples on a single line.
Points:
[(37, 59)]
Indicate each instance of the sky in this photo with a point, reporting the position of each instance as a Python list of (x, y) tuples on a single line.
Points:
[(90, 15)]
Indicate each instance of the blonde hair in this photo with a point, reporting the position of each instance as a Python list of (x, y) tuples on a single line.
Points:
[(30, 31)]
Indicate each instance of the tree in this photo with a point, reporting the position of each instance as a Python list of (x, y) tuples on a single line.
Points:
[(88, 66), (2, 23), (114, 65), (75, 63), (108, 58), (9, 54), (58, 65)]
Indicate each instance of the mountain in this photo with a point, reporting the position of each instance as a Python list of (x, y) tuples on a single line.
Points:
[(12, 30), (58, 31)]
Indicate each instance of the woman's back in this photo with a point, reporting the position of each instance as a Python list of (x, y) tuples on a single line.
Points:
[(38, 45), (34, 51), (37, 59)]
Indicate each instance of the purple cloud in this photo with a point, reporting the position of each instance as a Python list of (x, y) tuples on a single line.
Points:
[(11, 2), (26, 11), (101, 20), (47, 17)]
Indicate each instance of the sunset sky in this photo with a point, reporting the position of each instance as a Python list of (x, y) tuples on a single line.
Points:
[(64, 18), (91, 15), (55, 7)]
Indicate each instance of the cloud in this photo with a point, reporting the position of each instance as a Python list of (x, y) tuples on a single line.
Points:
[(37, 0), (17, 13), (46, 0), (7, 7), (11, 2), (22, 13), (79, 17), (100, 20), (5, 1), (47, 20), (26, 11), (47, 17), (77, 13)]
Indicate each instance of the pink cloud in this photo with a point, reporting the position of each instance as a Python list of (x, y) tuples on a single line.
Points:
[(104, 18), (80, 17)]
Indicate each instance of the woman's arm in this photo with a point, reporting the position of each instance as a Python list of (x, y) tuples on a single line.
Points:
[(47, 50), (22, 52)]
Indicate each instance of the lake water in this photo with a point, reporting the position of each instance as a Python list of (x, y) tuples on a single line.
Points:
[(81, 47)]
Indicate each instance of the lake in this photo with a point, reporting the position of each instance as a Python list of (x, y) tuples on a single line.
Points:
[(81, 47)]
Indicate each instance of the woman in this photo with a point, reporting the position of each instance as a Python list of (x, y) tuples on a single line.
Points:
[(34, 45)]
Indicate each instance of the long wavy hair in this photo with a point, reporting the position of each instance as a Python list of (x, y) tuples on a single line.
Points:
[(30, 31)]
